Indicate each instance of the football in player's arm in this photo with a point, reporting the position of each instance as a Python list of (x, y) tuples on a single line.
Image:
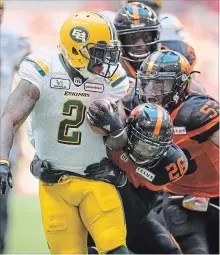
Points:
[(145, 151)]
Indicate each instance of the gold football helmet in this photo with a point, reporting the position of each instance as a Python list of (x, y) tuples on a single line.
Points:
[(88, 40)]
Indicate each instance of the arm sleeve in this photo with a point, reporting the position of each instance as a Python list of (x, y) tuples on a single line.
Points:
[(204, 118), (34, 70)]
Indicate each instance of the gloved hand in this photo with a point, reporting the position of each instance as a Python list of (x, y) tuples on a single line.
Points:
[(105, 119), (5, 177), (108, 172)]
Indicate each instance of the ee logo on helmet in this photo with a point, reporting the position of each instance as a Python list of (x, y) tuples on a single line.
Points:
[(79, 34)]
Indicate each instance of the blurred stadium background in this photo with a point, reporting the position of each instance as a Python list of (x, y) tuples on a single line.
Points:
[(41, 21)]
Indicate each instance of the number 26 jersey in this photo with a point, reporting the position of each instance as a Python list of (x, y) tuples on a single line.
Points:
[(170, 168)]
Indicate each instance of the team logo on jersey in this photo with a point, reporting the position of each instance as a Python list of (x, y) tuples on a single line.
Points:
[(57, 83), (79, 34), (94, 87), (145, 173), (76, 94), (77, 81), (179, 131)]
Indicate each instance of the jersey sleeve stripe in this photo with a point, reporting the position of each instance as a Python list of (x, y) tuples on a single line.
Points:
[(118, 81), (204, 128), (40, 66)]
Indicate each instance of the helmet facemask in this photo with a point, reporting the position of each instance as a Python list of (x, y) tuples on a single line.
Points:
[(162, 88), (145, 149), (137, 44), (103, 58)]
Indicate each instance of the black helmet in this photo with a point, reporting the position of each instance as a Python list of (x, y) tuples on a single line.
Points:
[(150, 131), (138, 31), (153, 4), (183, 48), (163, 78)]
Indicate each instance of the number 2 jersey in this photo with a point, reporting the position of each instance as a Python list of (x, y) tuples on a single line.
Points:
[(171, 167), (59, 128), (195, 120)]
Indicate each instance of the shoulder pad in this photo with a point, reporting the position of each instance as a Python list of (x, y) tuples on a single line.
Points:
[(40, 63), (175, 156), (174, 152), (197, 114)]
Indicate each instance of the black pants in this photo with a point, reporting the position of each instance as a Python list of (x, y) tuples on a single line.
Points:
[(144, 233), (153, 238), (196, 232), (3, 220)]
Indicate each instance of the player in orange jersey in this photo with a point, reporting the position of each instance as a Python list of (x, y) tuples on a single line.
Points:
[(164, 78)]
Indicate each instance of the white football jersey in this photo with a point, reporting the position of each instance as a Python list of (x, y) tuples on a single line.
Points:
[(61, 133), (13, 49)]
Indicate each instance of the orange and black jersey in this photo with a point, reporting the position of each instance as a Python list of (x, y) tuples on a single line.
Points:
[(195, 120), (172, 166)]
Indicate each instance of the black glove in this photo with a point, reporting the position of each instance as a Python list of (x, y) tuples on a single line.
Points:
[(5, 177), (106, 171), (101, 117), (43, 171)]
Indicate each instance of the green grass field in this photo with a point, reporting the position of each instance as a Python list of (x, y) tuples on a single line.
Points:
[(25, 233)]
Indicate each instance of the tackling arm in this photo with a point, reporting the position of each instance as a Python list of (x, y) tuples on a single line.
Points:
[(119, 140), (18, 107)]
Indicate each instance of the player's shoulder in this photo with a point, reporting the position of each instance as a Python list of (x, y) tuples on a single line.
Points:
[(118, 77), (196, 111), (173, 153), (41, 61)]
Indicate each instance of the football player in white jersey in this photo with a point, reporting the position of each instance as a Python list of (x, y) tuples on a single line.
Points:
[(57, 90), (13, 50)]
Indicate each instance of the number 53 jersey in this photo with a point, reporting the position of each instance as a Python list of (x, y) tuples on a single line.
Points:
[(59, 128), (195, 120)]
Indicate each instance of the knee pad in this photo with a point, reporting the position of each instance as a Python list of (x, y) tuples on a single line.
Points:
[(120, 250)]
